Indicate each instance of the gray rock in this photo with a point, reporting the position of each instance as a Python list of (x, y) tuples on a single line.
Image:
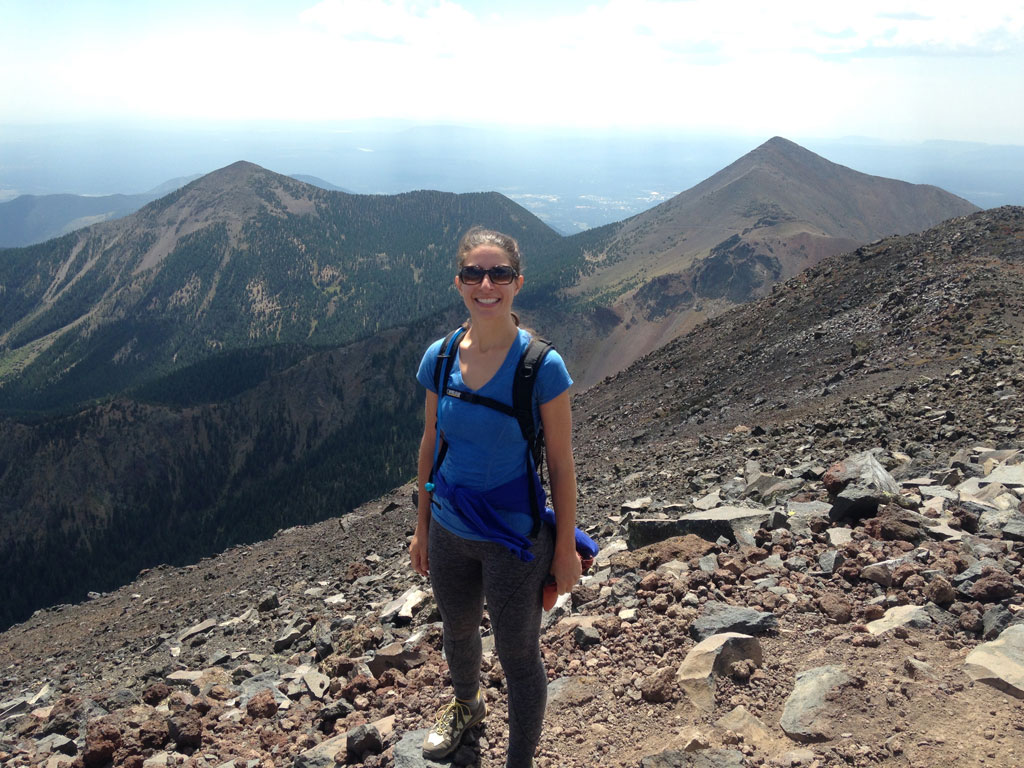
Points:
[(863, 471), (900, 616), (994, 621), (56, 742), (839, 536), (1000, 663), (856, 503), (322, 755), (400, 611), (881, 572), (807, 517), (708, 563), (268, 601), (1013, 529), (316, 683), (709, 501), (733, 523), (717, 618), (266, 681), (323, 641), (409, 752), (705, 758), (715, 655), (585, 637), (637, 505), (291, 633), (829, 561), (974, 571), (394, 656), (363, 740), (198, 629), (1010, 476), (805, 714)]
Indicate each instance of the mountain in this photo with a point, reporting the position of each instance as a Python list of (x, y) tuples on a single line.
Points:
[(762, 219), (886, 636), (30, 219), (241, 258)]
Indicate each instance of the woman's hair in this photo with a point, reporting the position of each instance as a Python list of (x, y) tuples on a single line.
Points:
[(478, 236)]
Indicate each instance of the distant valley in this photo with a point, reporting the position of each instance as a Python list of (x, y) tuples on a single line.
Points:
[(237, 356)]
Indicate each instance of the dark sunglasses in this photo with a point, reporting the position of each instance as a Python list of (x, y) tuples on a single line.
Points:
[(502, 275)]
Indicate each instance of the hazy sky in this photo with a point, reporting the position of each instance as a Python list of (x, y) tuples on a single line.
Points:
[(941, 69)]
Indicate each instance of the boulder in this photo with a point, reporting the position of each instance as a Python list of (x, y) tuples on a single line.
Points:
[(714, 655), (900, 616), (734, 523), (1000, 663), (718, 618), (805, 716)]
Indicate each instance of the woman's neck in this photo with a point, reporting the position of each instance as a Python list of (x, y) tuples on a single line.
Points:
[(495, 334)]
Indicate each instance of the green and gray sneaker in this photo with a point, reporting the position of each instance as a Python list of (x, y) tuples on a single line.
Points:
[(453, 720)]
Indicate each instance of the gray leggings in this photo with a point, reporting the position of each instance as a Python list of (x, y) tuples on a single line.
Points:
[(463, 572)]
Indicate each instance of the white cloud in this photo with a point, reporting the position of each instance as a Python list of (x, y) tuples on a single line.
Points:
[(793, 66)]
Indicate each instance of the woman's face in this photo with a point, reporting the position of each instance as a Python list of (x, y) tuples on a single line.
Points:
[(485, 299)]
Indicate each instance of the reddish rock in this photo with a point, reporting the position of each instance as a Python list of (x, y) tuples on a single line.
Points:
[(357, 685), (970, 621), (102, 740), (994, 585), (156, 693), (262, 705), (836, 608), (659, 687), (153, 733), (650, 583), (186, 730), (872, 612), (356, 570), (940, 591)]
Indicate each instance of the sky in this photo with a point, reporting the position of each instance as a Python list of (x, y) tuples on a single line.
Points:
[(888, 69)]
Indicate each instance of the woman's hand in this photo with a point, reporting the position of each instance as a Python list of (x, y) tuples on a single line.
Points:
[(418, 554), (566, 568)]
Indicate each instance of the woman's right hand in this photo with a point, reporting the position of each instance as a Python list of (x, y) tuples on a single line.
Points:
[(418, 554)]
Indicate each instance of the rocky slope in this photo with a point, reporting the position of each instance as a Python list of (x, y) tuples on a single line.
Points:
[(813, 546)]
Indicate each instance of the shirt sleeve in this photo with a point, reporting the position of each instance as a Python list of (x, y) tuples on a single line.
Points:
[(425, 374), (553, 378)]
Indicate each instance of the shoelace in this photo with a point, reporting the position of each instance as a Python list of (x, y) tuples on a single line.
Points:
[(446, 715)]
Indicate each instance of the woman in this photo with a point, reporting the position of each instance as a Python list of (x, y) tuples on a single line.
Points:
[(469, 558)]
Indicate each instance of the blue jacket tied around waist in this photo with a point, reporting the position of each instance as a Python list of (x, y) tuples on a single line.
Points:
[(479, 510)]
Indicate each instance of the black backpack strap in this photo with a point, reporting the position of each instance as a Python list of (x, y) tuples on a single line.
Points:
[(522, 405), (446, 358), (522, 393), (442, 372)]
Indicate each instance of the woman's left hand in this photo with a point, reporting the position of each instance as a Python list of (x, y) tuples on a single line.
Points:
[(566, 568)]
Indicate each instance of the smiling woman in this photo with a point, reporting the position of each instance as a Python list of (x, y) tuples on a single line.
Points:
[(479, 532)]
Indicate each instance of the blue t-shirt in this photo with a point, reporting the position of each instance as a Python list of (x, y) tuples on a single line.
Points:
[(486, 448)]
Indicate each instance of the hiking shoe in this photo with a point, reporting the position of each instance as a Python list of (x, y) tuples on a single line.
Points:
[(453, 720)]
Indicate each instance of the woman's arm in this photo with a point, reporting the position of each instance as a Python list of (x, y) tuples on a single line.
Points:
[(556, 416), (418, 547)]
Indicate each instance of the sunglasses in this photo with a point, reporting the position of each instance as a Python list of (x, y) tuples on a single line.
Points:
[(502, 275)]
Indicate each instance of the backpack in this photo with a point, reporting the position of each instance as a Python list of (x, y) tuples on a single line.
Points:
[(521, 409)]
